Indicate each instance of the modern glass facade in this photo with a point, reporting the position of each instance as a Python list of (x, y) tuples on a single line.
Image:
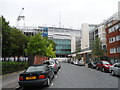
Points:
[(63, 47)]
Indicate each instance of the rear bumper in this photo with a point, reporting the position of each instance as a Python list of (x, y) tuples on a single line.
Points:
[(33, 83)]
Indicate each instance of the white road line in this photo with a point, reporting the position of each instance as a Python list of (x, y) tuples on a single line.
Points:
[(52, 84), (56, 76)]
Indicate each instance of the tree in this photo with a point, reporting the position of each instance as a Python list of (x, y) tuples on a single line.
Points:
[(39, 45), (18, 42), (97, 48), (50, 52), (5, 38), (13, 41)]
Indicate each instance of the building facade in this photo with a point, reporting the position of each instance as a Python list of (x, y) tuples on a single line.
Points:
[(67, 40), (113, 38), (87, 39)]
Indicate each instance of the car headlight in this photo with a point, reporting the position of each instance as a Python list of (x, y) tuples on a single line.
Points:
[(106, 65)]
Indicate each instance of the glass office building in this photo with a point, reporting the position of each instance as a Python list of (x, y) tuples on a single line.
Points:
[(63, 47)]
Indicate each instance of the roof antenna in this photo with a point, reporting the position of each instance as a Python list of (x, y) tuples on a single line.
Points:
[(59, 20)]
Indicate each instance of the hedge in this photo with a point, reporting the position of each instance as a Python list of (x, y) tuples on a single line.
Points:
[(12, 66)]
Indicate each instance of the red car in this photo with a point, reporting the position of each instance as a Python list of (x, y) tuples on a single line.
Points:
[(103, 65)]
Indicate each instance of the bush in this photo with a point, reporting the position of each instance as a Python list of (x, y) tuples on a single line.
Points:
[(12, 66)]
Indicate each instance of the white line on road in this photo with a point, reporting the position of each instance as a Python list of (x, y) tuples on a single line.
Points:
[(52, 84)]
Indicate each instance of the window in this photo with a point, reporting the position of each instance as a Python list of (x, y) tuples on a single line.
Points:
[(113, 50), (111, 40), (35, 68), (114, 28), (117, 38), (118, 49)]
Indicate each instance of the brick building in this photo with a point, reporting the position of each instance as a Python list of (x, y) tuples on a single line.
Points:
[(113, 38)]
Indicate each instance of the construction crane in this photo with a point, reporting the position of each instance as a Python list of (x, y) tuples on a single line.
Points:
[(20, 17)]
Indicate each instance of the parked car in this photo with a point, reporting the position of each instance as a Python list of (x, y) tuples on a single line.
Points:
[(36, 75), (81, 63), (76, 62), (57, 63), (103, 65), (115, 69), (71, 61), (92, 64), (52, 64)]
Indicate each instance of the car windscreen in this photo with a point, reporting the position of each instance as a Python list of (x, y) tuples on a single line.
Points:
[(35, 68), (52, 62), (105, 62), (47, 62), (118, 64)]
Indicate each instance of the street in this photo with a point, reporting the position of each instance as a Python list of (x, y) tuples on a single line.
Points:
[(72, 76)]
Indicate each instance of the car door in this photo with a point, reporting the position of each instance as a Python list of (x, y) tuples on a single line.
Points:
[(116, 69), (50, 72), (99, 64)]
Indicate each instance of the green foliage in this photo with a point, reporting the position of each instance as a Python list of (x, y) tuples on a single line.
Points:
[(9, 67), (39, 45), (18, 42), (97, 48), (50, 52), (78, 56), (5, 37), (13, 41)]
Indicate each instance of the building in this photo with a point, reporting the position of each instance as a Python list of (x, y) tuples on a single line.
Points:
[(87, 38), (113, 37), (67, 40), (30, 30)]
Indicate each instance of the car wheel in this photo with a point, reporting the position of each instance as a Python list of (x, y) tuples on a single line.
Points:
[(53, 76), (97, 68), (92, 67), (103, 69), (48, 83), (112, 72), (55, 72)]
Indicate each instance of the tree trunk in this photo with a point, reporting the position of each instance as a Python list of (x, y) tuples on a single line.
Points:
[(30, 60)]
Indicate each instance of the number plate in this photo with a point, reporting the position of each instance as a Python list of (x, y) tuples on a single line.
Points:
[(30, 78)]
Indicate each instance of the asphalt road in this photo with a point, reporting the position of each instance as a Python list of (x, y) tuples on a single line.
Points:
[(71, 76)]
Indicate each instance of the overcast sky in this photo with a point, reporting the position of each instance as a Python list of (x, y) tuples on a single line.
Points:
[(48, 12)]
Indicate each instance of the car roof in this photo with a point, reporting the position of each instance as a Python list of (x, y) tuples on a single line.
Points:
[(104, 61), (39, 65), (48, 60)]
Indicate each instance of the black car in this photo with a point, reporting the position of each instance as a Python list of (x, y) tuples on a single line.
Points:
[(92, 65), (36, 75)]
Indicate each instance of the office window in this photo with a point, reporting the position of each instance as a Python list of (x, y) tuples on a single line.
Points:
[(113, 50)]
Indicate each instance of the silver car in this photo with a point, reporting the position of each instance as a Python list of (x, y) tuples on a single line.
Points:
[(115, 69), (81, 63), (52, 64)]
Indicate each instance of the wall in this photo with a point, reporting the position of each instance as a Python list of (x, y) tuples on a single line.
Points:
[(40, 59), (85, 36)]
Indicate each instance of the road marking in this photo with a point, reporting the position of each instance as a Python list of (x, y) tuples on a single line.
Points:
[(17, 88), (52, 84), (56, 76)]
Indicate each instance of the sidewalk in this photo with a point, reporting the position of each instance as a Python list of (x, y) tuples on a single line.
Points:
[(11, 74), (11, 80)]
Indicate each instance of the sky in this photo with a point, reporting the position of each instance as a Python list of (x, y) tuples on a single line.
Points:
[(71, 13)]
